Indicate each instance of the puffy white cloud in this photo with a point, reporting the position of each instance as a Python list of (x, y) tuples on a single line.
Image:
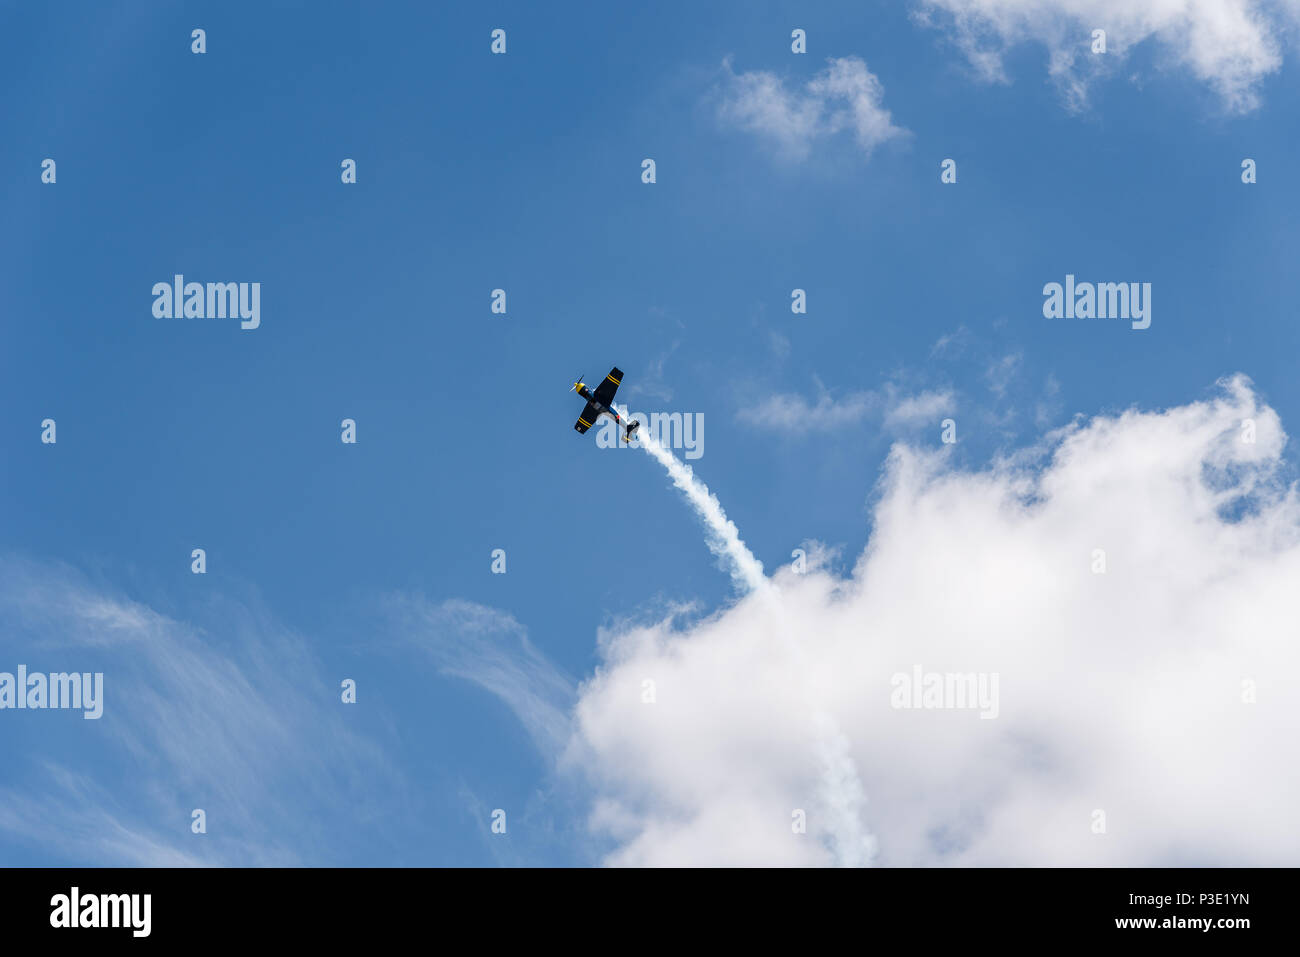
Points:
[(1228, 44), (1120, 692), (846, 96)]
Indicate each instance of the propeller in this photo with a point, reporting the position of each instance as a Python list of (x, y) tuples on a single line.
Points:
[(574, 387)]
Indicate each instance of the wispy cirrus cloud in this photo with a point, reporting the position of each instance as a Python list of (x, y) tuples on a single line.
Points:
[(923, 408), (490, 648), (791, 412), (844, 97), (243, 726)]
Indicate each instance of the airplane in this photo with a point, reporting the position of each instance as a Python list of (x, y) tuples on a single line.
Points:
[(599, 403)]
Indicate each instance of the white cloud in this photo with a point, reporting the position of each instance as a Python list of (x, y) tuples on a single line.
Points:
[(1002, 371), (924, 408), (490, 648), (1231, 45), (793, 413), (790, 412), (1119, 692), (654, 384), (845, 96)]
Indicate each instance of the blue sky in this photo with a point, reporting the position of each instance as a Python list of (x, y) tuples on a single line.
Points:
[(523, 172)]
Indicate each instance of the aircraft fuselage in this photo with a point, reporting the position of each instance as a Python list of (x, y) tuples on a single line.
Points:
[(600, 407)]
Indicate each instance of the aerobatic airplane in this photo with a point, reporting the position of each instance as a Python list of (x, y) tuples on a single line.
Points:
[(599, 403)]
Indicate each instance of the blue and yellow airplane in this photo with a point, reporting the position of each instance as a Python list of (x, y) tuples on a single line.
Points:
[(599, 403)]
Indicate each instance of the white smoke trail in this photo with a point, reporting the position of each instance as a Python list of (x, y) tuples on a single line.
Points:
[(842, 796), (724, 537)]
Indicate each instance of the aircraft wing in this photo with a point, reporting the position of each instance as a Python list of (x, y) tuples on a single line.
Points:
[(587, 419), (605, 391)]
